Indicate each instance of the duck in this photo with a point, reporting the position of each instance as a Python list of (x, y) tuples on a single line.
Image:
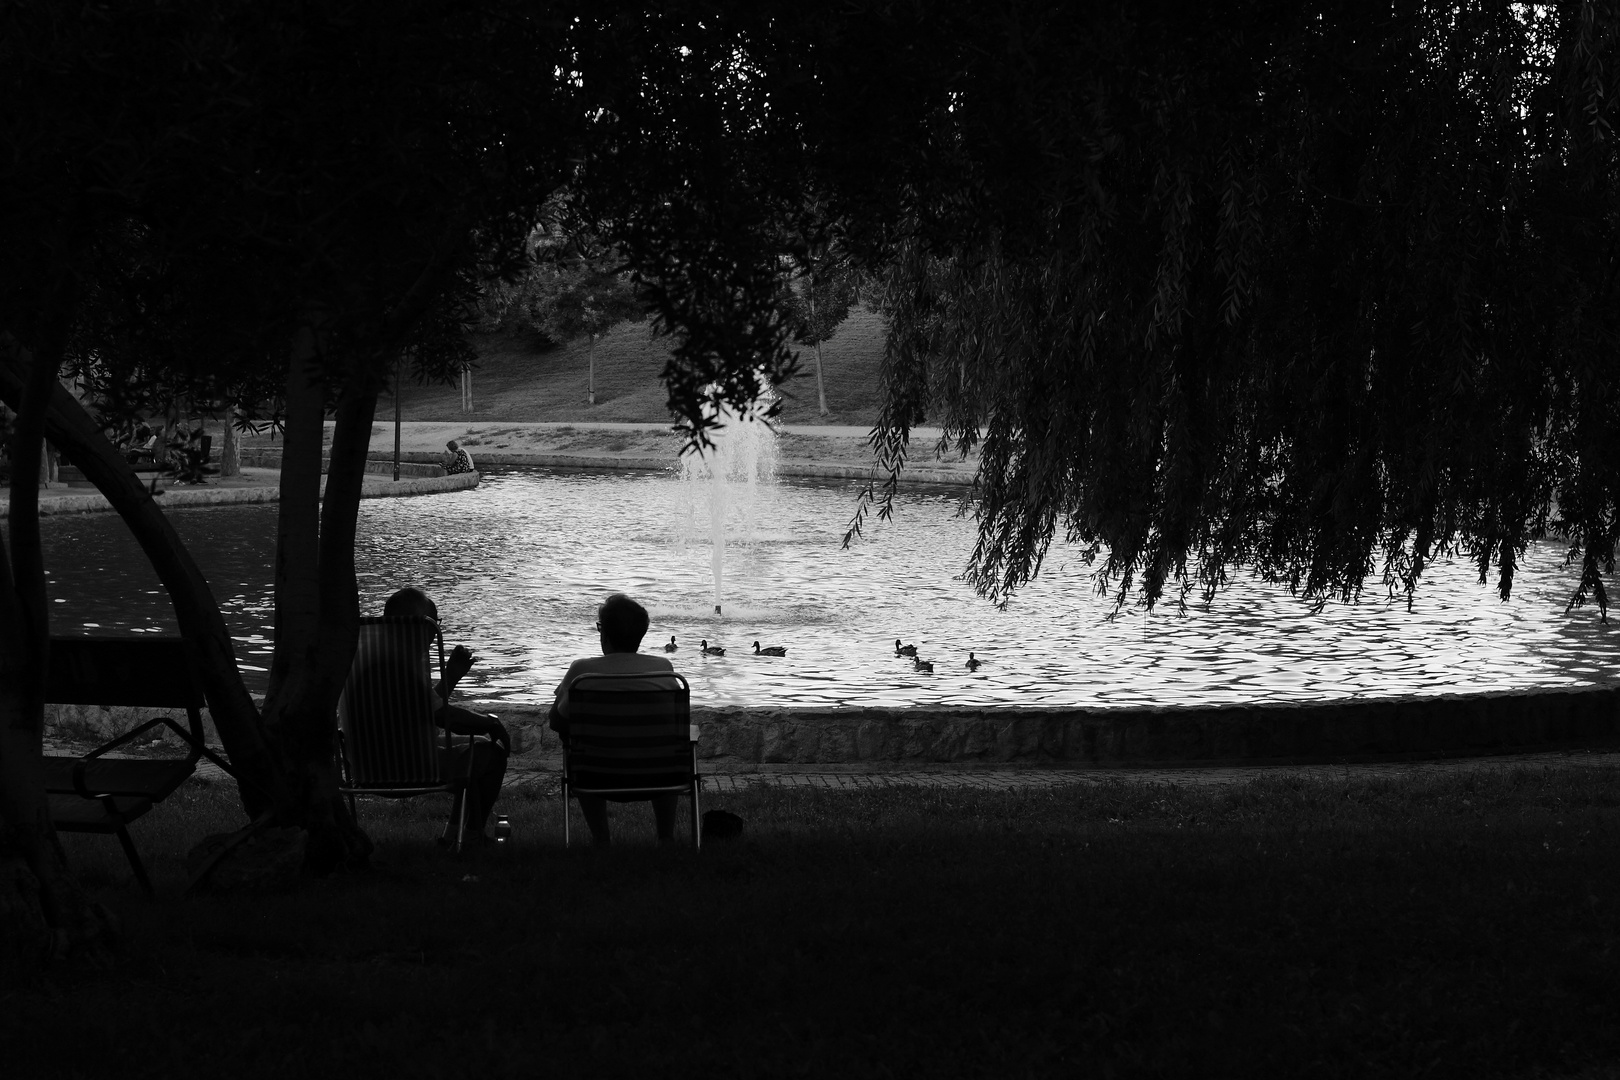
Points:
[(904, 650), (973, 664), (711, 650), (671, 647), (919, 664), (770, 650)]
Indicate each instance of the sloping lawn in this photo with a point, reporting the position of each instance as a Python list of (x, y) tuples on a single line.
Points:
[(519, 379)]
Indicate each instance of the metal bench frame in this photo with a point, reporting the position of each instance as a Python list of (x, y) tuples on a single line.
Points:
[(95, 793)]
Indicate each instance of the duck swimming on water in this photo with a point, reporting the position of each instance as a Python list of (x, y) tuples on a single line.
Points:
[(919, 664), (904, 650), (770, 650), (973, 664), (711, 650), (671, 647)]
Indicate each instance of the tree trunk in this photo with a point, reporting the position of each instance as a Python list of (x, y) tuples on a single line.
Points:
[(815, 327), (46, 912), (821, 389), (590, 372), (48, 470), (317, 609), (230, 447)]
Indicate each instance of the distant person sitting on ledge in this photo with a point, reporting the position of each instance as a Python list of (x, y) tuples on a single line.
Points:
[(621, 623), (457, 460), (488, 766)]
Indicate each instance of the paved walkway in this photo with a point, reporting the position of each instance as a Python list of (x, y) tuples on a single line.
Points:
[(541, 779)]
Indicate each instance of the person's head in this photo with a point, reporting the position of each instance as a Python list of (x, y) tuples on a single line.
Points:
[(622, 622), (452, 446), (409, 602)]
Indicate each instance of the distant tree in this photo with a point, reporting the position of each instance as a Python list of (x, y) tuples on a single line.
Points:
[(581, 288), (821, 294)]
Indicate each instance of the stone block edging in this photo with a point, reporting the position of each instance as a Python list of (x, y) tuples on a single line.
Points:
[(1458, 725), (1350, 730), (632, 463)]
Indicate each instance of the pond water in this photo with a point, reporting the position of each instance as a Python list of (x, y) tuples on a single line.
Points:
[(518, 565)]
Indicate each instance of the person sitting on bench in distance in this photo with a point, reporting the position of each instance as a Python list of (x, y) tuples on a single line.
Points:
[(489, 758), (621, 624)]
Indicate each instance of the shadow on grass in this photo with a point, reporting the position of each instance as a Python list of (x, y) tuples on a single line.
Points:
[(1461, 925)]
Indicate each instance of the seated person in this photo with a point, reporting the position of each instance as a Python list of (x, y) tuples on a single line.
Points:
[(488, 758), (622, 623), (140, 445), (457, 460)]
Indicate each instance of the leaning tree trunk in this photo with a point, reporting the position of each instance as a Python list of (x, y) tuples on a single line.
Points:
[(317, 610), (236, 718), (590, 370)]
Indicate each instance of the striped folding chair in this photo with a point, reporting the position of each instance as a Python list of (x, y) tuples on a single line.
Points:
[(631, 737), (388, 742)]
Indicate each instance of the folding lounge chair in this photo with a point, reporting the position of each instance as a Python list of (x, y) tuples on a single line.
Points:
[(631, 736), (97, 793), (388, 742)]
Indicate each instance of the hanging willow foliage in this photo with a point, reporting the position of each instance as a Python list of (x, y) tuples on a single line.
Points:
[(1290, 290)]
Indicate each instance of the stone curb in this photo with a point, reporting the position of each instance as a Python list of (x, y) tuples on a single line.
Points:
[(1394, 729), (188, 497)]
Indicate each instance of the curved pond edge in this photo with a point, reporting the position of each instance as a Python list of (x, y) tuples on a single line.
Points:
[(72, 501), (810, 470), (1380, 729)]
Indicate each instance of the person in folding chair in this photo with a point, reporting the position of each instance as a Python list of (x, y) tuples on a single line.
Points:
[(488, 767), (621, 623)]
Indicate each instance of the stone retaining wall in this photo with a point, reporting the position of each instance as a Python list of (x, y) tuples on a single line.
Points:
[(415, 465), (1356, 730)]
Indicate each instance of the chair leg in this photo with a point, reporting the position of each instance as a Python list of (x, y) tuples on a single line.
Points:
[(565, 811), (697, 817), (134, 860), (461, 820)]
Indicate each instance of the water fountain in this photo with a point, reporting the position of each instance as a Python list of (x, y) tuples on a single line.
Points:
[(731, 478)]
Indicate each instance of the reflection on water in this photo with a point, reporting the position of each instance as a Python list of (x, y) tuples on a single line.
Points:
[(518, 565)]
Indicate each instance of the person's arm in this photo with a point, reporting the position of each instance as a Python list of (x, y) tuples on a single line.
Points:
[(458, 721), (455, 668), (555, 718)]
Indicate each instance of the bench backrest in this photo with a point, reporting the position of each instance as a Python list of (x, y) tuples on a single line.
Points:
[(146, 670), (149, 670)]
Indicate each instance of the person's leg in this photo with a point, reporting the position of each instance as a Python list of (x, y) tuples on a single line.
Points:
[(483, 786), (664, 815), (594, 807), (488, 771)]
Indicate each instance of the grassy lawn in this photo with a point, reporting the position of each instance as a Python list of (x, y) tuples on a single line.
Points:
[(517, 380), (1463, 926)]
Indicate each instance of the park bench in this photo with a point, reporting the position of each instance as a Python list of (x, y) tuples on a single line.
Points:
[(103, 791)]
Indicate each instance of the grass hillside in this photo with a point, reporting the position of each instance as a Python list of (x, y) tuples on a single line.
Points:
[(518, 379)]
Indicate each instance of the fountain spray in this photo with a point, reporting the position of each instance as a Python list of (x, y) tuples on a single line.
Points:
[(734, 473)]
